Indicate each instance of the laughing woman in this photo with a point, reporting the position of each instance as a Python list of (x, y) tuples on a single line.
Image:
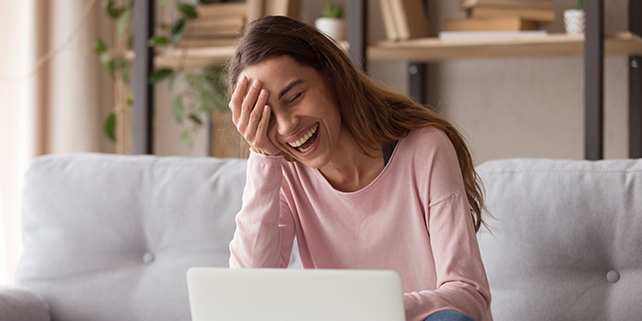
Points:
[(362, 176)]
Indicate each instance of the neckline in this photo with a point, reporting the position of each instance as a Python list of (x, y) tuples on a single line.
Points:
[(391, 162)]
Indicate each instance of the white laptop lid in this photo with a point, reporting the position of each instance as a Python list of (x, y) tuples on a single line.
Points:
[(221, 294)]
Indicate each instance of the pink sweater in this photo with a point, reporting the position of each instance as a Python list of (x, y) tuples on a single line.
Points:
[(413, 218)]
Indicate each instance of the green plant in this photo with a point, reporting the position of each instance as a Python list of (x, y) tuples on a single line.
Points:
[(206, 88), (580, 4), (332, 10)]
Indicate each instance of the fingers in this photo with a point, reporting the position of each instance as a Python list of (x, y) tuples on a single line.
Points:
[(249, 101), (256, 116), (263, 142), (251, 115), (265, 121), (237, 98)]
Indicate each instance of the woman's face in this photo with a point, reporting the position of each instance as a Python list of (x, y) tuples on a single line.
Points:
[(306, 122)]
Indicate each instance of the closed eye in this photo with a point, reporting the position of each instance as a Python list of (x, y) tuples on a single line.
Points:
[(296, 97)]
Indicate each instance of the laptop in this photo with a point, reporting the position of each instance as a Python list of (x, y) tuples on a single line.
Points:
[(221, 294)]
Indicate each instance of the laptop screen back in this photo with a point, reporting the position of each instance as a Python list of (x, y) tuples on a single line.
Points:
[(220, 294)]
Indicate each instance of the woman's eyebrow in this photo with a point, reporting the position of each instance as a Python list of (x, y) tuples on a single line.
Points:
[(289, 86)]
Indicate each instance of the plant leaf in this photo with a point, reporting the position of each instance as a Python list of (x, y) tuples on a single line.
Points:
[(332, 10), (100, 46), (178, 108), (194, 118), (158, 41), (112, 11), (186, 138), (123, 21), (121, 63), (160, 74), (188, 10), (130, 42), (178, 27), (108, 63), (125, 76), (110, 127), (130, 101)]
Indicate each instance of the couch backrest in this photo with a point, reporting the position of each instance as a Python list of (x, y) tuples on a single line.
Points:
[(110, 237), (567, 241)]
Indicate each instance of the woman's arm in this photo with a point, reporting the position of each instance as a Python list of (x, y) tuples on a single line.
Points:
[(264, 227), (461, 282), (461, 278)]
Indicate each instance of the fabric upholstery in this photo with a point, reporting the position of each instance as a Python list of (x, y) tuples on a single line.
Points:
[(566, 241), (21, 304), (110, 237)]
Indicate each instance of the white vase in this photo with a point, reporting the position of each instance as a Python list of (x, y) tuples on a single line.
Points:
[(574, 21), (333, 27)]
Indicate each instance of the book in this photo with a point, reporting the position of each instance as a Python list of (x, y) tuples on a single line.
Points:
[(232, 25), (466, 35), (534, 4), (200, 42), (524, 13), (260, 8), (288, 8), (388, 20), (491, 24), (410, 18), (255, 9), (222, 9)]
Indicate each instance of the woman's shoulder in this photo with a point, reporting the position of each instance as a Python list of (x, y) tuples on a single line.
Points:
[(427, 140)]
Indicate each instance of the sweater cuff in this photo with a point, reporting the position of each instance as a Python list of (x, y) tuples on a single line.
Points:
[(264, 159)]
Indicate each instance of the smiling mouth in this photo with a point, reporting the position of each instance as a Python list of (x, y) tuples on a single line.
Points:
[(305, 143)]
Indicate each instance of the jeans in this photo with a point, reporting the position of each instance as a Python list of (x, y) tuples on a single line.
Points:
[(449, 316)]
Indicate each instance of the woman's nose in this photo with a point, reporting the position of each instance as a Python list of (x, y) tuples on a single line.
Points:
[(286, 123)]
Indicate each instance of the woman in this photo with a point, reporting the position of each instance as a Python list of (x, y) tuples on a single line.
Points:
[(362, 176)]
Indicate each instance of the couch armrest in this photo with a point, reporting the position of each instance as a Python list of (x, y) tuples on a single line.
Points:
[(18, 303)]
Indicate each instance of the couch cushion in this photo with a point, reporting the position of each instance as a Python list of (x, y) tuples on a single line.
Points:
[(110, 237), (567, 239), (18, 303)]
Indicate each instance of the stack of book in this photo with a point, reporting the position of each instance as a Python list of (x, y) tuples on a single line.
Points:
[(502, 15), (404, 19), (219, 24)]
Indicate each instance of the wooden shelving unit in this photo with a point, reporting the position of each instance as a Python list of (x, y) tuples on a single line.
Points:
[(553, 45), (435, 49), (195, 57), (418, 52)]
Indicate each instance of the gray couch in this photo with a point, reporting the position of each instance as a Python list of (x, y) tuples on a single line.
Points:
[(110, 237)]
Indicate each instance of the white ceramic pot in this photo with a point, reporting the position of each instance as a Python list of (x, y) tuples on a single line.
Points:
[(333, 27), (574, 21)]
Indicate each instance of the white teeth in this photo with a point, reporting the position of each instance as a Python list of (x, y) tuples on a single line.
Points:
[(305, 137)]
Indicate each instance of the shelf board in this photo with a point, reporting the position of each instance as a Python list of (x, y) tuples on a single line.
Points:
[(174, 57), (432, 49), (553, 45), (188, 58), (193, 57)]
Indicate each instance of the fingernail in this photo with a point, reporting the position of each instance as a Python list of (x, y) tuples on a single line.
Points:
[(256, 84), (243, 80), (263, 93)]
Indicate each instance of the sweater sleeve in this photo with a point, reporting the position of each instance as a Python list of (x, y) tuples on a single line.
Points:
[(462, 284), (461, 278), (264, 227)]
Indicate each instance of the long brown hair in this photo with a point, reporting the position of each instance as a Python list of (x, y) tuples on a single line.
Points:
[(371, 112)]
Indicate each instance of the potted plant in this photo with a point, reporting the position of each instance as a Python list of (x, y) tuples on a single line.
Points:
[(332, 22), (574, 19)]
